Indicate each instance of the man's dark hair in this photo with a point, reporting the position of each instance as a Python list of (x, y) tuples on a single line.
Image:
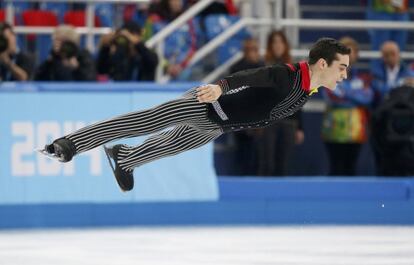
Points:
[(327, 48), (4, 26), (132, 27)]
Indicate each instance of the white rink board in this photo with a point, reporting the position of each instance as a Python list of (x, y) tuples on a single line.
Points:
[(287, 245)]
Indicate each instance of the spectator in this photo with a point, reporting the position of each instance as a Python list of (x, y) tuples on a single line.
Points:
[(67, 61), (245, 157), (390, 72), (167, 10), (345, 121), (277, 143), (14, 65), (226, 7), (181, 45), (136, 12), (251, 57), (388, 10), (124, 56), (392, 132)]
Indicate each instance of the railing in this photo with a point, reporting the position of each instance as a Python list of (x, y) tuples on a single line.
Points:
[(277, 21)]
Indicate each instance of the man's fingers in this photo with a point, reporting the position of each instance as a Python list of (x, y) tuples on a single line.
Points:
[(203, 91), (205, 98), (206, 94)]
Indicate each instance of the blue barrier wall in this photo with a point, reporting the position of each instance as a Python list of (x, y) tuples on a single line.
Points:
[(34, 114), (243, 201)]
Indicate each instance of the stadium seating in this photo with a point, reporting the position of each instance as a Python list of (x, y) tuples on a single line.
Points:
[(77, 18), (58, 8), (43, 43), (216, 24)]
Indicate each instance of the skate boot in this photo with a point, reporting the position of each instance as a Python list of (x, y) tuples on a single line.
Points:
[(61, 149), (124, 178)]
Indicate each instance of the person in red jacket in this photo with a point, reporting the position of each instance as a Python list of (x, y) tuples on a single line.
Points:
[(252, 98)]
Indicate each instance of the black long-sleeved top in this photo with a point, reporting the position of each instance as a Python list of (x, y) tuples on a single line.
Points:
[(24, 61), (53, 69), (259, 97)]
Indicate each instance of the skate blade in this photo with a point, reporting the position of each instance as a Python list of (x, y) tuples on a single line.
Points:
[(48, 155), (108, 156)]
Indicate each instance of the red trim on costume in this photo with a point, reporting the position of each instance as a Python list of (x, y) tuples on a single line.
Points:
[(304, 69), (291, 67)]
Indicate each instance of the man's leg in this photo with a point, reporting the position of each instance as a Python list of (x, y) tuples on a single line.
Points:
[(177, 140), (172, 113)]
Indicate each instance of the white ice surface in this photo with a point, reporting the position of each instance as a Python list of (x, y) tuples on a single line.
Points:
[(285, 245)]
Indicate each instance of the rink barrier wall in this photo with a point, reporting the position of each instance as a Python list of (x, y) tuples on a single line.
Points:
[(243, 201), (34, 114)]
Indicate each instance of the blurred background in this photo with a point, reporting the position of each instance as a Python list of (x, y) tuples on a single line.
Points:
[(346, 159)]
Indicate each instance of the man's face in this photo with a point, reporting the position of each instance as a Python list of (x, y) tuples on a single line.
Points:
[(336, 72), (176, 6), (251, 51), (390, 54)]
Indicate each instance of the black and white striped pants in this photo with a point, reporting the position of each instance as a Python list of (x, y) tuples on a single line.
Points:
[(187, 116)]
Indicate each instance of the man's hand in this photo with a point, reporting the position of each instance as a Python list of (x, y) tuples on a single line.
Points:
[(106, 39), (133, 38), (72, 62), (174, 70), (208, 93), (5, 58)]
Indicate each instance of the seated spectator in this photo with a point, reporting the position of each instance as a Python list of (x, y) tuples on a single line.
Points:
[(67, 61), (345, 121), (392, 132), (226, 7), (181, 45), (251, 57), (124, 56), (166, 10), (136, 12), (390, 72), (14, 65)]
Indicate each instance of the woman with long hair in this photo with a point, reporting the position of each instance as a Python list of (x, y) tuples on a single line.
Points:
[(278, 141)]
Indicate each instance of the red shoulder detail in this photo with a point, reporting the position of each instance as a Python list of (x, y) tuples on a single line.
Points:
[(291, 67)]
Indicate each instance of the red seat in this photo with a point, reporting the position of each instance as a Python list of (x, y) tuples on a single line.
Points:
[(77, 18), (2, 15), (39, 18)]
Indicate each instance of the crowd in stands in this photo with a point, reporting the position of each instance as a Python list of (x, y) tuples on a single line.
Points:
[(123, 56)]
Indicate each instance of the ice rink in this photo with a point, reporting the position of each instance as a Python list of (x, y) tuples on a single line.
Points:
[(286, 245)]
